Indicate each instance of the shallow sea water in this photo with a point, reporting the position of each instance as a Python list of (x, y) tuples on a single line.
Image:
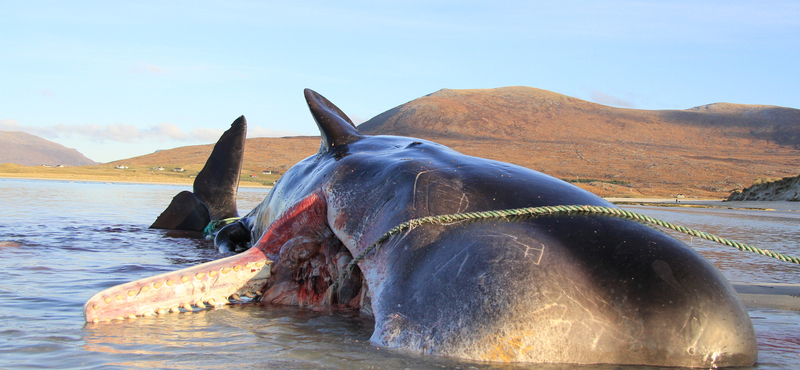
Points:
[(61, 242)]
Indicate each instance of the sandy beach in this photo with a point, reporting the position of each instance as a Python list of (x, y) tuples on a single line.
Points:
[(709, 203)]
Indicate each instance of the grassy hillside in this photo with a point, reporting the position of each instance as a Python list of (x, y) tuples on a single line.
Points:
[(705, 151)]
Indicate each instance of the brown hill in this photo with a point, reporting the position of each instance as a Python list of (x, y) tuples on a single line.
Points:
[(706, 151), (703, 151), (30, 150), (526, 113)]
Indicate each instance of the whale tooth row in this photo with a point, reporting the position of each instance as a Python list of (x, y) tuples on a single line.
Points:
[(186, 279), (188, 306)]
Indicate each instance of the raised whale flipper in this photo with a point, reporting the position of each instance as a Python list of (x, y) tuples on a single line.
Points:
[(335, 127), (215, 187), (217, 183)]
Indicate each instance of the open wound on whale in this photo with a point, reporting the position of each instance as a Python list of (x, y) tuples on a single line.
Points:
[(310, 259)]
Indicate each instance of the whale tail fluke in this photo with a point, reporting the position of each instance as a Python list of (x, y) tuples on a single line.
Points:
[(215, 188), (185, 212)]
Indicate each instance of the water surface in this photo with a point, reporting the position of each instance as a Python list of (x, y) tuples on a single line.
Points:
[(61, 242)]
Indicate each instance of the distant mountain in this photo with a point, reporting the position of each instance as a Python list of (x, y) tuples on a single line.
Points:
[(30, 150), (526, 113), (704, 151)]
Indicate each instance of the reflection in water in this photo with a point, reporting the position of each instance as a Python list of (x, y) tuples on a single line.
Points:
[(61, 242), (778, 338)]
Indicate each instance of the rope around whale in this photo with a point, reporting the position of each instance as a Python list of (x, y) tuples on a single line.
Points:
[(552, 210)]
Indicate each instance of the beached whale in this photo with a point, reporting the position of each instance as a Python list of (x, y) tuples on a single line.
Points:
[(563, 288)]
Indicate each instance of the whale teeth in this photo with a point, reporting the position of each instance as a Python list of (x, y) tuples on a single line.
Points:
[(200, 300)]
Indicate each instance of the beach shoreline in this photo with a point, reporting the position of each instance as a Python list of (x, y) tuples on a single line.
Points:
[(245, 184)]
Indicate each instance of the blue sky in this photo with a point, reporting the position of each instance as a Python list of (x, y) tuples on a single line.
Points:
[(116, 79)]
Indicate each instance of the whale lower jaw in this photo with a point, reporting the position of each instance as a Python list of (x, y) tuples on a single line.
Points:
[(212, 284)]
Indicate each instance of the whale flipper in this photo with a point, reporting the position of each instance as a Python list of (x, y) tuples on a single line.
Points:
[(215, 188), (217, 183)]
